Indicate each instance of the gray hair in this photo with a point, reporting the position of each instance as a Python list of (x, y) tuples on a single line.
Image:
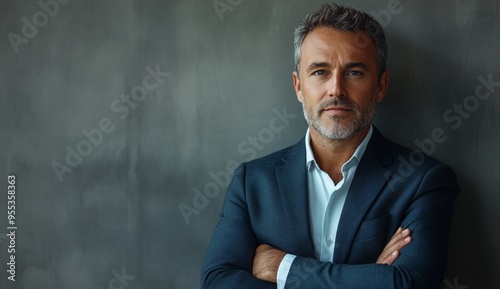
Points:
[(345, 19)]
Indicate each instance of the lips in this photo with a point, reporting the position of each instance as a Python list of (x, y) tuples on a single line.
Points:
[(337, 109), (336, 106)]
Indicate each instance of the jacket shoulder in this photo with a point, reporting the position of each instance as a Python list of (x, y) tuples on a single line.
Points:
[(279, 157), (417, 166)]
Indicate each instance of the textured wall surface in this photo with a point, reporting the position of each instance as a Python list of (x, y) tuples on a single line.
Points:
[(116, 114)]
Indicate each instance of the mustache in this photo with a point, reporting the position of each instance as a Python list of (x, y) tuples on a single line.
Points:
[(336, 102)]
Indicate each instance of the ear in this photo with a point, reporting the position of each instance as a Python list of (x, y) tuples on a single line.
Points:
[(296, 85), (382, 87)]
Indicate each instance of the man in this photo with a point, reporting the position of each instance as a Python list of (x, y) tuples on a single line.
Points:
[(329, 212)]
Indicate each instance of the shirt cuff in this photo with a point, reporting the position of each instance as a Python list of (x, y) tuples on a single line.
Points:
[(283, 270)]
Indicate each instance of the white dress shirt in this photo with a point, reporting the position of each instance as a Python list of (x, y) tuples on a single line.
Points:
[(326, 201)]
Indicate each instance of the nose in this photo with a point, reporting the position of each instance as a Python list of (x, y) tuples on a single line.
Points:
[(336, 85)]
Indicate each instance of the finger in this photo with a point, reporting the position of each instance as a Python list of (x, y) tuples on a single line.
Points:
[(390, 254), (397, 245), (400, 239), (397, 237), (390, 259)]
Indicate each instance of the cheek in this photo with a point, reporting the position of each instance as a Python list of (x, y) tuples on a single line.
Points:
[(313, 93), (362, 95)]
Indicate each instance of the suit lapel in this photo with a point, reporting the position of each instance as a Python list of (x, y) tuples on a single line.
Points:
[(292, 182), (366, 185)]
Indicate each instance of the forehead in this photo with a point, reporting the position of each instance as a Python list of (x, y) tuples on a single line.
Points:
[(328, 44)]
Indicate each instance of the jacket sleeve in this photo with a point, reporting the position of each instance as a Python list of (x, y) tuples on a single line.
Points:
[(229, 258), (421, 264)]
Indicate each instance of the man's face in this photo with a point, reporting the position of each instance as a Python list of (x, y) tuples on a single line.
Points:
[(338, 83)]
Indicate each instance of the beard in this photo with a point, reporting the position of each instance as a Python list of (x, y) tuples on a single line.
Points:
[(338, 130)]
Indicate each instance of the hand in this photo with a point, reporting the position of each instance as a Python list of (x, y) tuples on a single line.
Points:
[(266, 262), (391, 251)]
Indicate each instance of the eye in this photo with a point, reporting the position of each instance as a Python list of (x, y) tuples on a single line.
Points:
[(355, 73), (320, 72)]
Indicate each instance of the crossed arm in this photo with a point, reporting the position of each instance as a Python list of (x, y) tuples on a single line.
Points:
[(268, 259), (236, 256)]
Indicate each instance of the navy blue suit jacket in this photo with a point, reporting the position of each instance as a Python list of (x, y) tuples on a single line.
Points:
[(267, 202)]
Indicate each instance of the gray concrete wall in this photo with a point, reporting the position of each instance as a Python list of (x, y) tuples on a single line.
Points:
[(90, 208)]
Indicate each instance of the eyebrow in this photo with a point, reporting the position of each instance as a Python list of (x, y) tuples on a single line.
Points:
[(349, 65), (315, 65), (357, 64)]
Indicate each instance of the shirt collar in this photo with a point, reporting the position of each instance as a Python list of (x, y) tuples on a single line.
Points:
[(357, 155)]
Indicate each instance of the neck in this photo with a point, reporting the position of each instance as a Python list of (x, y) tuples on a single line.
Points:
[(331, 154)]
